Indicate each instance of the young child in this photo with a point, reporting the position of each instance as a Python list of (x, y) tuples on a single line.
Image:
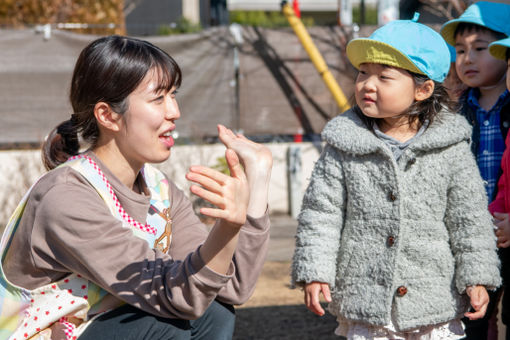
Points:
[(394, 229), (500, 207), (105, 246), (485, 104)]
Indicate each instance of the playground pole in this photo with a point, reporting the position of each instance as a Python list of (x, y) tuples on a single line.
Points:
[(315, 56)]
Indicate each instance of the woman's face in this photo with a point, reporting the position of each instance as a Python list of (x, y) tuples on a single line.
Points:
[(145, 134)]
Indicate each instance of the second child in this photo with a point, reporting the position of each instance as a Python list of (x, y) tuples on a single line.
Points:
[(485, 104), (500, 207)]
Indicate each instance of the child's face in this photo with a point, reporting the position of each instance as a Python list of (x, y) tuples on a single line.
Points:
[(382, 91), (476, 67)]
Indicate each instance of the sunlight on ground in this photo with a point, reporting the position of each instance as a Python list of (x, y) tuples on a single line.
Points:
[(273, 287)]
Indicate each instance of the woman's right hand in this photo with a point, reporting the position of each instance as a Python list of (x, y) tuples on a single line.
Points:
[(230, 194), (257, 161), (312, 300)]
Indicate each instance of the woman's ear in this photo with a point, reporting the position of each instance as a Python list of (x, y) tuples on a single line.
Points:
[(106, 117), (425, 90)]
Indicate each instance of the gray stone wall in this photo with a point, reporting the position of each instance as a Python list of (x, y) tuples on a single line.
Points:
[(20, 169)]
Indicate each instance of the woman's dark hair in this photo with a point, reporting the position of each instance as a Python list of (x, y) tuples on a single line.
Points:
[(419, 111), (107, 70)]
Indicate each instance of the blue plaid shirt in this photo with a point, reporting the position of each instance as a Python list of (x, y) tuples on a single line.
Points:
[(492, 144)]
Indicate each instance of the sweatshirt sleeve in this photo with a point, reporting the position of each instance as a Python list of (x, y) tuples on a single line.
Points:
[(469, 224), (320, 223), (73, 231), (189, 232)]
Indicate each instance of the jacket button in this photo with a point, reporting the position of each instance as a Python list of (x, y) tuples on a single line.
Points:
[(392, 196), (390, 241), (401, 291)]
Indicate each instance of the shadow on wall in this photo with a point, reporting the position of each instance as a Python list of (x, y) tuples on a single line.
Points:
[(20, 168)]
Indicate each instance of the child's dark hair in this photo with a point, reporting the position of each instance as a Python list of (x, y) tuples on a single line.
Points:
[(107, 70), (464, 27), (420, 111)]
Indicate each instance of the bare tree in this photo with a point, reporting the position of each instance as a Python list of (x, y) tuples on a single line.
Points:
[(97, 14), (446, 8)]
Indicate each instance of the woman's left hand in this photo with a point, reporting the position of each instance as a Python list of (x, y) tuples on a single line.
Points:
[(479, 299)]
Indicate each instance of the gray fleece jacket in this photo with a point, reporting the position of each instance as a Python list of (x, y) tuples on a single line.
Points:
[(408, 235)]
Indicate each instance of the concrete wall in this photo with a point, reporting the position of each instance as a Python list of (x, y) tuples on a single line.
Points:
[(19, 169)]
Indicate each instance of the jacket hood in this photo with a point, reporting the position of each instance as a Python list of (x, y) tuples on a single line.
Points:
[(349, 133)]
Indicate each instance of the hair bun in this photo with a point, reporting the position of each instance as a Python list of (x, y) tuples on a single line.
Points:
[(60, 144)]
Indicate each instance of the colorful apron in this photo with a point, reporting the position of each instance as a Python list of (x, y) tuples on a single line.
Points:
[(63, 309)]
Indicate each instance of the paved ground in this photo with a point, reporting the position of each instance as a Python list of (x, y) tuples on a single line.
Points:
[(281, 243), (275, 311)]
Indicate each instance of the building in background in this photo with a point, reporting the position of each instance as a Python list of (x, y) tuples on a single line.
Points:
[(152, 17), (323, 12)]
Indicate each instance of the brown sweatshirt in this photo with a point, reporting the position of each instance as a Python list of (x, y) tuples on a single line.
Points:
[(67, 228)]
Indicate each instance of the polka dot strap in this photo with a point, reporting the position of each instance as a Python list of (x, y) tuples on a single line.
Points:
[(125, 216), (69, 328)]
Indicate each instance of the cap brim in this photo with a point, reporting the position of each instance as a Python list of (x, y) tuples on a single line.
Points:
[(366, 50), (448, 30), (498, 48)]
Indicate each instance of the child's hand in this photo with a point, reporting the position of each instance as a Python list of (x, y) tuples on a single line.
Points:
[(312, 291), (503, 229), (230, 194), (479, 300)]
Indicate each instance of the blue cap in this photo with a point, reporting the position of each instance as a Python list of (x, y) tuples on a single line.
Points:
[(499, 48), (405, 44), (492, 15)]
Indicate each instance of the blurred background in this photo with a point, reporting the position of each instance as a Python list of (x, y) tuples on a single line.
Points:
[(243, 65), (275, 71)]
